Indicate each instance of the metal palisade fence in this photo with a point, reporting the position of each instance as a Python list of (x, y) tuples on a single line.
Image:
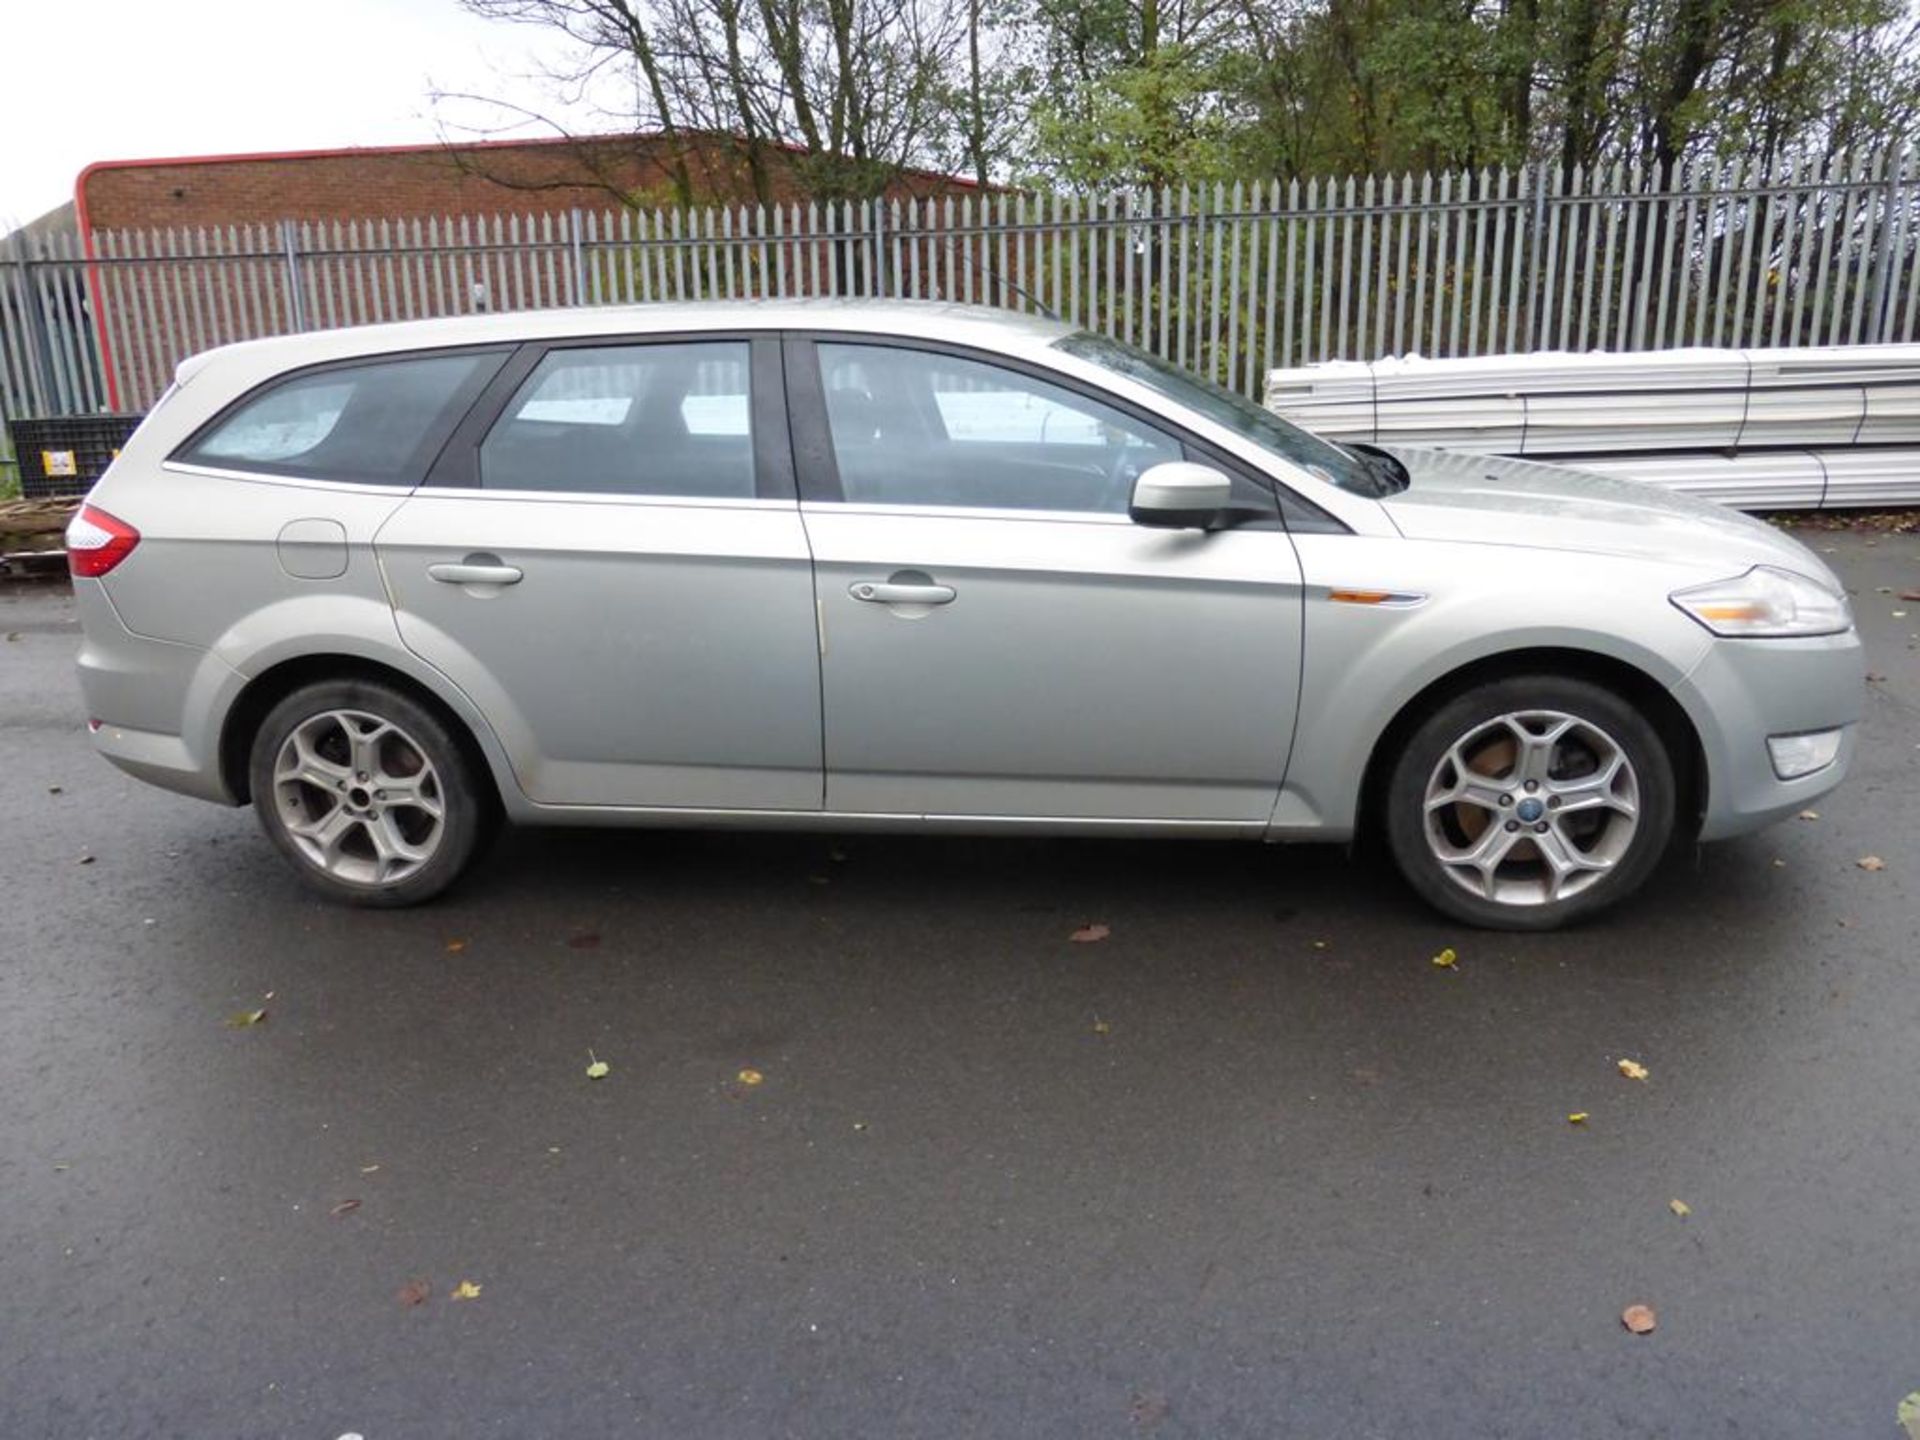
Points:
[(1229, 280)]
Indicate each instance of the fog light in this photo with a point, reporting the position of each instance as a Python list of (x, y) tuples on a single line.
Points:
[(1797, 755)]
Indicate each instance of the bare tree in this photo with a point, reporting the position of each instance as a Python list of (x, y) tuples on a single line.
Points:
[(843, 94)]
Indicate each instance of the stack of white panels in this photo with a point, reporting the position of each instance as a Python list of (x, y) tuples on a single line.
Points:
[(1755, 428)]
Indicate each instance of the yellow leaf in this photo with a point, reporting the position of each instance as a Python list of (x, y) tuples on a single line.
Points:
[(241, 1019), (751, 1077), (1680, 1208), (1446, 959), (598, 1070), (1101, 1027), (1633, 1070), (466, 1290), (1909, 1415), (1578, 1117)]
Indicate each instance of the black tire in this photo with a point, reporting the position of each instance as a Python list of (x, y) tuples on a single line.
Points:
[(390, 851), (1618, 861)]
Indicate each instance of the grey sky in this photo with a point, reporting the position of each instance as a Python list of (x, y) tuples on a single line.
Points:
[(127, 79)]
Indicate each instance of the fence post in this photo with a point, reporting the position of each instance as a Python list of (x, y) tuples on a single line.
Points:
[(1535, 299), (35, 349), (1896, 173), (290, 250), (576, 281), (880, 281)]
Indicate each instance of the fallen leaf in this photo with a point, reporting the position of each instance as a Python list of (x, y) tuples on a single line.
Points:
[(1147, 1410), (1680, 1208), (1899, 614), (1639, 1319), (466, 1290), (1087, 934), (241, 1019), (368, 1169), (1578, 1117), (1446, 959), (12, 635), (1633, 1070), (1871, 862), (1809, 814), (414, 1292), (55, 790), (859, 1124), (345, 1207), (584, 940), (1319, 944), (1874, 677), (1779, 864), (751, 1077), (454, 947), (1909, 1415), (599, 1069), (1101, 1027), (84, 860)]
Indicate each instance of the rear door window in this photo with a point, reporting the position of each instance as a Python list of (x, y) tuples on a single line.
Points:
[(378, 423), (664, 419)]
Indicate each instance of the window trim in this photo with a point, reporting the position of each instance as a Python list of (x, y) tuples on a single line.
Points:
[(458, 466), (818, 469), (419, 464)]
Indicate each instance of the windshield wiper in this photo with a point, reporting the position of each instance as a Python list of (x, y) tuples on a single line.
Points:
[(1389, 475)]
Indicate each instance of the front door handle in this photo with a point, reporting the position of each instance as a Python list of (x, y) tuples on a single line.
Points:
[(888, 592), (470, 573)]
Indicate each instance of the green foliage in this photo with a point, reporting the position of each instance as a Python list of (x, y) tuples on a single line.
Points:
[(1152, 92), (1157, 123)]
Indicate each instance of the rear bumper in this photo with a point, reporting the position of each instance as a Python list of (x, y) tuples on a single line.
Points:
[(154, 707), (1743, 692)]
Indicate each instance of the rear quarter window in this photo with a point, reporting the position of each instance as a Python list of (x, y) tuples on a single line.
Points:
[(375, 423)]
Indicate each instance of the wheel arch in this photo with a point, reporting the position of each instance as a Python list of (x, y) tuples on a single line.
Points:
[(267, 689), (1667, 716)]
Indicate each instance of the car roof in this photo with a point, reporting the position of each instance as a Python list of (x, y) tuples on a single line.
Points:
[(982, 325)]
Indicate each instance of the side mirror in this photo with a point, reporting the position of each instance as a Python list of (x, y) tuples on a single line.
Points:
[(1179, 496)]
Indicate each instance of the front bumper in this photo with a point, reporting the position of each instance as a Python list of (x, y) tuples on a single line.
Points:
[(1744, 692)]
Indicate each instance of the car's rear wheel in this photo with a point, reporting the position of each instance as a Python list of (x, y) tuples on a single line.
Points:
[(1528, 802), (367, 793)]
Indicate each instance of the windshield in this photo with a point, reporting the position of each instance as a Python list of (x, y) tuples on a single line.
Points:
[(1319, 458)]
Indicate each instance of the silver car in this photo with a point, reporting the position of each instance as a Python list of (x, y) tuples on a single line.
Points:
[(868, 566)]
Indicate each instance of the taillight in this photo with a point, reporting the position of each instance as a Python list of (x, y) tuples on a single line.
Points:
[(97, 541)]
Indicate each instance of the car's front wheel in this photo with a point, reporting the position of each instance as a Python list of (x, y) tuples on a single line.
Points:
[(1528, 802), (367, 793)]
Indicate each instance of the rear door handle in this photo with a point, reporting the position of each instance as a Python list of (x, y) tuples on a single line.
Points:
[(887, 592), (472, 574)]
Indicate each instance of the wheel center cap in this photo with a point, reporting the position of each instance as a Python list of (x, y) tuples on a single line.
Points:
[(1531, 809)]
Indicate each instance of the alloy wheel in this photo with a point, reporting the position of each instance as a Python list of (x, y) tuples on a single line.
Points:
[(358, 797), (1531, 807)]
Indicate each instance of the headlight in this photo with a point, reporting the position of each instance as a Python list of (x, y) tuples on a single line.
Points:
[(1766, 602)]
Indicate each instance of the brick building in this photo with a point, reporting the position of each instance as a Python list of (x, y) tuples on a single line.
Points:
[(184, 254), (509, 177)]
